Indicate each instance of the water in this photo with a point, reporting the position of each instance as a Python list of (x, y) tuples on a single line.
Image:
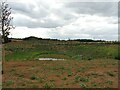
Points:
[(52, 59)]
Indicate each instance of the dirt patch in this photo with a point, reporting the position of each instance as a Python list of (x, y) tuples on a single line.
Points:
[(61, 74)]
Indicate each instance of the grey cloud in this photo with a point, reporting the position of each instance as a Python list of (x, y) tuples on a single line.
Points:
[(21, 7), (49, 23), (28, 9), (100, 8), (65, 12)]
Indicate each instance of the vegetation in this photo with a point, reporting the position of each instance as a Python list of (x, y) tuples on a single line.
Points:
[(5, 21), (33, 49), (85, 64)]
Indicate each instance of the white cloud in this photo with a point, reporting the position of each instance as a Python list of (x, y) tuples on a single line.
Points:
[(89, 27), (63, 20), (22, 32)]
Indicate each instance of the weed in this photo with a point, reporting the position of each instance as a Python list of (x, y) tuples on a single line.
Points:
[(52, 80), (90, 58), (9, 83), (110, 74), (57, 75), (70, 74), (64, 78), (35, 86), (104, 65), (67, 83), (77, 78), (82, 69), (83, 86), (21, 75), (94, 84), (94, 73), (22, 84), (83, 79), (33, 77), (12, 70), (109, 82), (58, 67), (47, 85), (40, 80)]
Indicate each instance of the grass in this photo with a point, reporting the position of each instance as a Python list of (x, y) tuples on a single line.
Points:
[(29, 50), (80, 60)]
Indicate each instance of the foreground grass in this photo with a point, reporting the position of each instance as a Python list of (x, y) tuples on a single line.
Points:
[(61, 74)]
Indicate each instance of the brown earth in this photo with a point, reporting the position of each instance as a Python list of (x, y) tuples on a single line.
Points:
[(60, 74)]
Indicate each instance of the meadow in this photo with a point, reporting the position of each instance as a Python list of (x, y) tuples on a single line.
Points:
[(85, 64)]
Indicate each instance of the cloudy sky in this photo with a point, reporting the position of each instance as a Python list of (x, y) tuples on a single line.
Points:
[(64, 19)]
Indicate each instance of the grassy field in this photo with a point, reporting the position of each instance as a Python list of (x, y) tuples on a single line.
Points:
[(86, 65), (32, 49)]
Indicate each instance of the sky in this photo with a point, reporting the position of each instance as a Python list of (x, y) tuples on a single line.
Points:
[(58, 19)]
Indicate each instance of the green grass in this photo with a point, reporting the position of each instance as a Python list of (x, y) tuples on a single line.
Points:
[(30, 50)]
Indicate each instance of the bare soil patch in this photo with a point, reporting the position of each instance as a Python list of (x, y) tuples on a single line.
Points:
[(61, 74)]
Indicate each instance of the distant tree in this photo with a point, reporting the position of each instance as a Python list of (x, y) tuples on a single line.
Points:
[(5, 21)]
